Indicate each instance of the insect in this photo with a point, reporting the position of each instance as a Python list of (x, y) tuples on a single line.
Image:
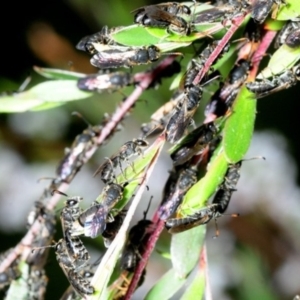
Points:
[(187, 177), (101, 82), (183, 113), (70, 294), (12, 272), (209, 15), (88, 43), (167, 72), (74, 157), (224, 97), (125, 57), (69, 214), (135, 245), (265, 87), (203, 216), (214, 210), (80, 284), (45, 234), (94, 219), (160, 118), (250, 42), (106, 170), (164, 15), (262, 8), (289, 35), (112, 228), (194, 143), (37, 283)]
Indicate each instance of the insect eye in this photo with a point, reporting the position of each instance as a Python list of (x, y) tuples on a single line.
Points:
[(297, 73)]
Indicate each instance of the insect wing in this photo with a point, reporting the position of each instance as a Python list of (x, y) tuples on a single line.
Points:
[(112, 59), (95, 224), (94, 82)]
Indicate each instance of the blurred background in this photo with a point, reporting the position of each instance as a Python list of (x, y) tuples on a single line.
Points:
[(256, 255)]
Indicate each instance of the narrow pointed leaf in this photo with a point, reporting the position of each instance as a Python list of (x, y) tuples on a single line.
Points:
[(199, 194), (239, 127), (186, 249), (57, 73), (284, 58), (196, 289), (166, 287)]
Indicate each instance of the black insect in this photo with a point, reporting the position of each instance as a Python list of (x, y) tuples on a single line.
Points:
[(165, 16), (11, 272), (106, 170), (187, 177), (289, 35), (70, 294), (80, 284), (160, 118), (252, 38), (262, 8), (266, 87), (95, 218), (112, 228), (194, 143), (209, 15), (213, 211), (110, 82), (167, 72), (44, 236), (89, 42), (183, 113), (37, 284), (74, 157), (135, 245), (203, 216), (125, 57), (224, 97)]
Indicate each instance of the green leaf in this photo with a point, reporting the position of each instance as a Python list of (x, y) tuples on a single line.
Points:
[(18, 103), (166, 287), (239, 127), (19, 288), (40, 95), (134, 35), (196, 289), (57, 73), (289, 11), (186, 249), (199, 194), (284, 58), (58, 91)]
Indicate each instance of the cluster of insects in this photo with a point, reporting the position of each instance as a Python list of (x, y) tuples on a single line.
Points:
[(194, 146)]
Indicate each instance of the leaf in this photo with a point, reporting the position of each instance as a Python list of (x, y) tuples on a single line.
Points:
[(58, 74), (19, 288), (289, 11), (239, 127), (41, 94), (186, 249), (199, 194), (196, 289), (58, 91), (284, 58), (134, 35), (166, 287)]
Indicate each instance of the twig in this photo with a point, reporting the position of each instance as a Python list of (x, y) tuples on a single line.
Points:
[(236, 22)]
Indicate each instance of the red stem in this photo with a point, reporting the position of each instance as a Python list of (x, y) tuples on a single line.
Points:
[(236, 22)]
